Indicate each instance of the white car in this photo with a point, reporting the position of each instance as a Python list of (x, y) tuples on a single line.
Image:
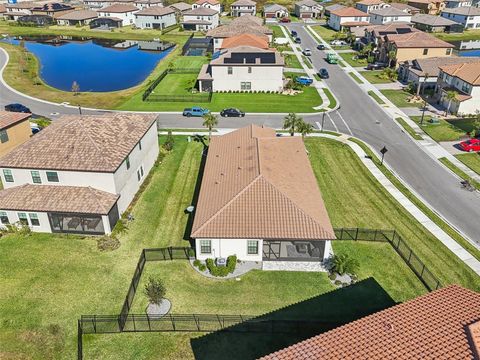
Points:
[(338, 42), (307, 52)]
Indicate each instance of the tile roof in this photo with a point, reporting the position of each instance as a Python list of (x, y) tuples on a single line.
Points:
[(432, 20), (392, 28), (21, 5), (98, 143), (334, 7), (3, 8), (246, 40), (201, 11), (459, 96), (246, 24), (119, 8), (308, 3), (257, 185), (431, 65), (211, 2), (58, 198), (370, 2), (389, 11), (9, 118), (78, 15), (403, 6), (227, 55), (432, 326), (274, 8), (155, 11), (417, 39), (468, 72), (52, 7), (463, 10), (348, 12), (181, 6), (244, 3)]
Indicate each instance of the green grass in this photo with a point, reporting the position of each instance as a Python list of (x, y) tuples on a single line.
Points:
[(325, 32), (400, 98), (307, 62), (373, 77), (459, 172), (331, 98), (291, 61), (190, 62), (351, 58), (375, 97), (471, 160), (177, 84), (355, 77), (408, 128), (465, 36), (443, 131), (277, 31)]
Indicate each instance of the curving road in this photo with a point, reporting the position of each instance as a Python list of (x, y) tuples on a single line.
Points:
[(360, 116)]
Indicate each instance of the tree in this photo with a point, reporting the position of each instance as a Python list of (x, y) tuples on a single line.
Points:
[(169, 141), (425, 77), (392, 55), (450, 96), (304, 128), (291, 122), (75, 88), (344, 264), (155, 290), (210, 121), (476, 125)]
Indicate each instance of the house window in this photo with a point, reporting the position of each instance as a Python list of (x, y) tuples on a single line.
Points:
[(34, 219), (205, 246), (127, 161), (252, 247), (249, 69), (138, 175), (4, 218), (7, 174), (230, 70), (448, 51), (3, 136), (425, 51), (36, 177), (140, 145), (245, 85), (52, 176), (141, 170), (22, 218)]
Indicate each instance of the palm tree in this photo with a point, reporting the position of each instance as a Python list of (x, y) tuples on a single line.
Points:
[(291, 122), (451, 95), (210, 121), (304, 128), (425, 77)]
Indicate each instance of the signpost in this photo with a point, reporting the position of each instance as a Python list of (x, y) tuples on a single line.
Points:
[(383, 151)]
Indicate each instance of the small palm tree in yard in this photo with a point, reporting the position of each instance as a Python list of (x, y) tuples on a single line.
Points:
[(450, 96), (291, 122), (344, 264), (210, 121), (304, 128), (155, 290)]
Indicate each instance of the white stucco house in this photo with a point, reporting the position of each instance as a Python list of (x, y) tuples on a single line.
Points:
[(243, 7), (144, 4), (155, 17), (275, 11), (200, 19), (78, 172), (98, 4), (259, 200), (14, 11), (347, 17), (387, 15), (369, 5), (308, 9), (468, 16), (210, 4), (243, 68), (126, 13), (457, 3)]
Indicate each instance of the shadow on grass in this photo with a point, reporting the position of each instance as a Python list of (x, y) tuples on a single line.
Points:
[(318, 314)]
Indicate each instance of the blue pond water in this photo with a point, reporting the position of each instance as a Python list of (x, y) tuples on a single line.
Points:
[(96, 65), (469, 53)]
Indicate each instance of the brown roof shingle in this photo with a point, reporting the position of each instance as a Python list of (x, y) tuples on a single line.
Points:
[(9, 118), (78, 15), (45, 198), (246, 24), (256, 185), (245, 40), (156, 11), (348, 12), (119, 8), (433, 326), (417, 39), (98, 143), (468, 72)]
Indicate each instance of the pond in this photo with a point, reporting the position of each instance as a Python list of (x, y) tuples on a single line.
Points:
[(96, 65)]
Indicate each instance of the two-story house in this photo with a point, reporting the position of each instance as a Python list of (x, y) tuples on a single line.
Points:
[(432, 23), (369, 5), (469, 17), (243, 68), (405, 8), (464, 79), (243, 7), (14, 130), (275, 11), (143, 4), (387, 15), (211, 4), (79, 174), (200, 19), (432, 7), (450, 4), (98, 4), (308, 9), (347, 17), (125, 13), (155, 17)]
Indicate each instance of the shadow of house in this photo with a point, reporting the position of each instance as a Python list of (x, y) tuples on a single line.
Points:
[(298, 321)]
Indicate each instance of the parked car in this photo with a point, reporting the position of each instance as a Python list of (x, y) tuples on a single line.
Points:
[(285, 20), (338, 42), (232, 112), (17, 108), (294, 33), (323, 73), (470, 145), (321, 47), (307, 52), (195, 111), (376, 66), (304, 80), (298, 40)]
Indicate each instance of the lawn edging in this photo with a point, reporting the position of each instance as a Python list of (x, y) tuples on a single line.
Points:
[(408, 128), (375, 97)]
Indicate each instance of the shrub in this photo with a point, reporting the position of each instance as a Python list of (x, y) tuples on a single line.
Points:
[(338, 282), (120, 227), (108, 243), (169, 141), (197, 263), (191, 252), (154, 290), (344, 264), (332, 276), (202, 267), (222, 271)]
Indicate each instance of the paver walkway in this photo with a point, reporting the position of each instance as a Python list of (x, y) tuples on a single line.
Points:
[(389, 86)]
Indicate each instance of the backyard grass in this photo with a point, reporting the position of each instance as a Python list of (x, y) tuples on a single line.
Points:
[(472, 160), (465, 36), (459, 172), (408, 128), (325, 32), (355, 77), (375, 97), (351, 58), (374, 77), (400, 98), (443, 131), (291, 61)]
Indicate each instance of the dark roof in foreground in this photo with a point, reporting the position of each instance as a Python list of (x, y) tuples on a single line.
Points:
[(97, 143), (9, 118), (432, 20), (78, 15), (259, 186), (443, 324), (49, 198)]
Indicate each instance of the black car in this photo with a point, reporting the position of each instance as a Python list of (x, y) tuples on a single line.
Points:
[(231, 112), (17, 108), (323, 73), (376, 66), (321, 47), (294, 33), (298, 40)]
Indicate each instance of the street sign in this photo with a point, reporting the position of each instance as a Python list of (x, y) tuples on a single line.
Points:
[(383, 151)]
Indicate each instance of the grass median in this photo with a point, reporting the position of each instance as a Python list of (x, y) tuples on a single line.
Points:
[(375, 97)]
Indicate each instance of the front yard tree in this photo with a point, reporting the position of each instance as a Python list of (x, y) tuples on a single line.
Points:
[(451, 95), (291, 123), (75, 88), (210, 121), (155, 290), (304, 128)]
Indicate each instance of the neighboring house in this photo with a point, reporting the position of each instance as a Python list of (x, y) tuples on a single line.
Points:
[(387, 15), (14, 11), (243, 68), (77, 17), (155, 17), (375, 34), (275, 11), (36, 20), (180, 8), (413, 45), (256, 41), (432, 23), (211, 4), (405, 8), (308, 9), (200, 19), (464, 79), (126, 13), (144, 4), (14, 130), (243, 7), (330, 8), (52, 9), (99, 160), (347, 17), (259, 200), (369, 5), (432, 7), (443, 324), (98, 4), (457, 3), (3, 11), (469, 17), (246, 24)]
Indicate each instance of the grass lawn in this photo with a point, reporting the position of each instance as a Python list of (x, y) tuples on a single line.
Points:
[(459, 172), (400, 98), (443, 131), (472, 160), (333, 102), (176, 84), (277, 31), (291, 61), (408, 128), (374, 78), (465, 36), (351, 58), (375, 97), (325, 32), (355, 77)]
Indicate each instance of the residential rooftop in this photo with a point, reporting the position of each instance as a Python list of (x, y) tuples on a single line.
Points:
[(370, 2), (78, 15), (9, 118), (52, 7), (249, 55), (463, 10), (432, 20), (388, 11), (468, 72), (273, 8), (244, 3), (307, 3), (417, 39), (211, 2), (403, 6), (256, 41), (246, 24), (181, 6), (348, 12), (201, 11), (155, 11), (119, 8), (431, 65)]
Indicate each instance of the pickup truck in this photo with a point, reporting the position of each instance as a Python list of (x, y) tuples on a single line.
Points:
[(304, 80), (195, 111)]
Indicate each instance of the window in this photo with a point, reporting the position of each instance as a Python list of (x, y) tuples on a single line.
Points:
[(252, 247), (7, 174), (140, 145), (3, 136), (448, 51), (141, 170), (22, 218), (138, 175), (4, 218), (52, 176), (230, 70), (245, 85), (127, 161), (34, 219), (205, 246), (425, 51), (249, 69), (36, 177)]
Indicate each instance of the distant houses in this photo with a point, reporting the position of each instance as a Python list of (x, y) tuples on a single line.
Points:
[(275, 11), (347, 17), (124, 13), (432, 7), (469, 17), (211, 4), (369, 5), (243, 7), (200, 19), (308, 9), (155, 17), (387, 15)]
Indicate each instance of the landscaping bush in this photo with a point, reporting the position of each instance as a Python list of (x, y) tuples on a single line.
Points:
[(338, 282), (332, 276), (169, 141), (197, 263), (344, 264), (107, 243), (222, 271), (154, 290), (202, 267)]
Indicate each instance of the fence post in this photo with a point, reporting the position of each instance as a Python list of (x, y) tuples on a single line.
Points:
[(170, 252), (423, 269), (356, 235), (409, 255), (79, 340), (341, 234)]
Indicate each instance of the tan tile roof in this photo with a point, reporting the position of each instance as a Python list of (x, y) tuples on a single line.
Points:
[(9, 118), (370, 2), (246, 24), (226, 57), (156, 11), (118, 8), (431, 66), (432, 20), (417, 39), (201, 11), (3, 8), (244, 3), (433, 326), (98, 143), (44, 198), (181, 6), (78, 15), (468, 72), (246, 40), (257, 185), (474, 332), (389, 11), (348, 12), (211, 2), (463, 10)]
